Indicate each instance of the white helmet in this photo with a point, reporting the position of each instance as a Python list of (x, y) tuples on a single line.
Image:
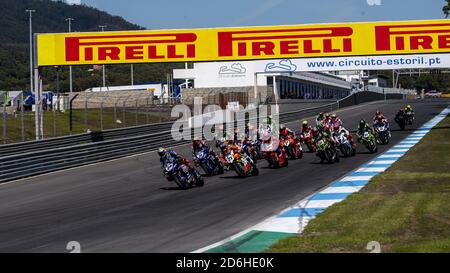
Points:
[(161, 151)]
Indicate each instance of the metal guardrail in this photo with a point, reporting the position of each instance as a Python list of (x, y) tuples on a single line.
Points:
[(53, 143), (39, 157)]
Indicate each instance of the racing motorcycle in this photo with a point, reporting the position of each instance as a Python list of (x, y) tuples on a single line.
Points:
[(409, 117), (326, 151), (382, 133), (250, 150), (292, 147), (242, 164), (182, 174), (308, 139), (401, 121), (344, 145), (210, 164), (272, 157), (369, 140)]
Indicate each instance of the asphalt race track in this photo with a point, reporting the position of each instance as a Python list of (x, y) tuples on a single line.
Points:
[(127, 206)]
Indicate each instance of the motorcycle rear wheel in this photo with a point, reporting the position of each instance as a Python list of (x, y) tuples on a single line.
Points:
[(181, 184)]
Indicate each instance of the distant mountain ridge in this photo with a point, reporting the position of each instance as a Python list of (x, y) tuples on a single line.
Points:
[(50, 17)]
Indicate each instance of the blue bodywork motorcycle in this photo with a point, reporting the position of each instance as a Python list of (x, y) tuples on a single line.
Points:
[(182, 174), (210, 163)]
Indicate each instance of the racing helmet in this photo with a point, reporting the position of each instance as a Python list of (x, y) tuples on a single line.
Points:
[(305, 123), (334, 116), (321, 114), (161, 151), (362, 123), (378, 113), (282, 126)]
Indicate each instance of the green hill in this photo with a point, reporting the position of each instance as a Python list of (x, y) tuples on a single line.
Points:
[(50, 17)]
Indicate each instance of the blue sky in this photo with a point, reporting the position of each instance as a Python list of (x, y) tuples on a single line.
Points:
[(168, 14)]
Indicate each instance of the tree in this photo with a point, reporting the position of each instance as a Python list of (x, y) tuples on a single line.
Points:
[(446, 9)]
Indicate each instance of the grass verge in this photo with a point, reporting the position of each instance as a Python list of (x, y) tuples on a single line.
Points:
[(405, 209)]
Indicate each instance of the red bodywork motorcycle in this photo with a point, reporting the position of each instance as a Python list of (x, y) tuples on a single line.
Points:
[(275, 154), (292, 147)]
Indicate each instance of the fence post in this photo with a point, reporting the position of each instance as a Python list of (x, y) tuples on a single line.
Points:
[(160, 114), (54, 120), (4, 122), (85, 111), (70, 113), (22, 127), (136, 110), (147, 111), (101, 113), (115, 112), (124, 122)]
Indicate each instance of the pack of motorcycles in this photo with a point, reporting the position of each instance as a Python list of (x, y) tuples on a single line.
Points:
[(241, 157)]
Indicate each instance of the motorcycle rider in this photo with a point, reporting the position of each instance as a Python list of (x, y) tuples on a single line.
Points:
[(327, 135), (202, 145), (380, 120), (409, 108), (320, 118), (306, 128), (198, 144), (166, 156), (362, 127), (285, 132), (338, 130), (377, 115), (335, 120), (401, 112), (409, 111), (327, 120)]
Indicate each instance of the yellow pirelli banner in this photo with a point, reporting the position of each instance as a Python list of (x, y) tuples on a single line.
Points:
[(245, 43)]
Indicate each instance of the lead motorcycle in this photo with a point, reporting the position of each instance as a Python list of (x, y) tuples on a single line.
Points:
[(409, 117), (242, 164), (369, 140), (401, 121), (326, 151), (181, 173), (210, 164)]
